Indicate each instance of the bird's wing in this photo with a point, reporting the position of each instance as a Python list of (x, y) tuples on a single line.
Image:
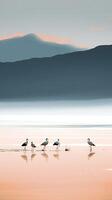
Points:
[(92, 144), (55, 143), (23, 144), (44, 143)]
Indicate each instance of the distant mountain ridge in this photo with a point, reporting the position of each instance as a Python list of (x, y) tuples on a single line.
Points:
[(79, 75), (30, 46)]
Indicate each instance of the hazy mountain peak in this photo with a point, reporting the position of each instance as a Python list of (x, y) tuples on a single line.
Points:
[(31, 36), (31, 46)]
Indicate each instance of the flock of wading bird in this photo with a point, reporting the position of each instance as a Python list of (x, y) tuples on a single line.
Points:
[(56, 144)]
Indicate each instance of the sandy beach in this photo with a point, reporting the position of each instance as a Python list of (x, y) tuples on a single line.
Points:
[(56, 174)]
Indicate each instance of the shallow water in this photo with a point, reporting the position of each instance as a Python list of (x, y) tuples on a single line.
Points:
[(55, 174)]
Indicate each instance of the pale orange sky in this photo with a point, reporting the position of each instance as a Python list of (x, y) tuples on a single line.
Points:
[(46, 37), (83, 23), (5, 37)]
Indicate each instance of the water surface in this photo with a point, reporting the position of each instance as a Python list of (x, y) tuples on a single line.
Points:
[(55, 174)]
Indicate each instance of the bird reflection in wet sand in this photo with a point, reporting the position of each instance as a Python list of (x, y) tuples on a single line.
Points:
[(33, 155), (45, 155), (56, 155), (24, 157), (91, 154)]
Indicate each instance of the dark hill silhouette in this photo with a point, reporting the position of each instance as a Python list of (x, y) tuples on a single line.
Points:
[(79, 75), (30, 46)]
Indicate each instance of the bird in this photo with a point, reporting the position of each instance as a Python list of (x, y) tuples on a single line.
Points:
[(91, 144), (25, 144), (45, 143), (33, 145), (57, 143)]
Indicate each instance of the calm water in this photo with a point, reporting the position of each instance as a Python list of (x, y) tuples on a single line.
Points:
[(56, 174), (12, 137)]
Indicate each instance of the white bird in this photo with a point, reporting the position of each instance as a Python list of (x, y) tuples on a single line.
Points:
[(57, 143), (33, 145), (25, 144), (91, 144), (45, 143)]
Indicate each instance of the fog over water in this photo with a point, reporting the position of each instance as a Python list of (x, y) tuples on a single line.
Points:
[(94, 112)]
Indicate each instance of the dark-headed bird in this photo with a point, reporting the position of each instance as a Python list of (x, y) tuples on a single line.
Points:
[(91, 144), (45, 143), (33, 145), (56, 143), (25, 144)]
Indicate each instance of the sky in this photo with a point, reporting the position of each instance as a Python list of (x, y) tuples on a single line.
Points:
[(83, 23)]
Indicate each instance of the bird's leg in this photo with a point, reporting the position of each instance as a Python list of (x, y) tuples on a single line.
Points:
[(43, 148), (90, 149), (57, 147)]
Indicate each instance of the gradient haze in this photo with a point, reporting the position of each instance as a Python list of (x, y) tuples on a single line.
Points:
[(85, 23)]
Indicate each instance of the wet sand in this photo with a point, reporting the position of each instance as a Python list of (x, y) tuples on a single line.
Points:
[(56, 174)]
